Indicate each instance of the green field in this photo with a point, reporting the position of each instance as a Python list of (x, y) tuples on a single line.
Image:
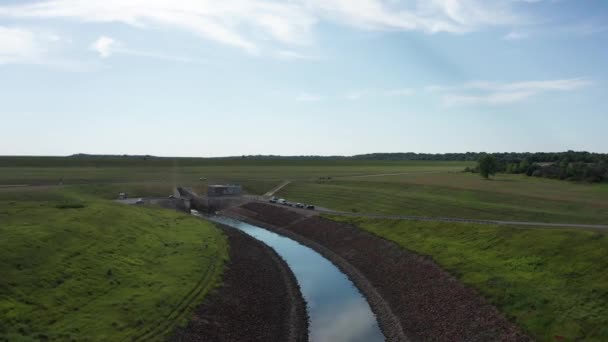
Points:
[(429, 188), (461, 195), (57, 254), (78, 268), (105, 178), (549, 282)]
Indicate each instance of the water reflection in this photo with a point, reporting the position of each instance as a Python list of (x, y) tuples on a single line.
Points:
[(338, 312)]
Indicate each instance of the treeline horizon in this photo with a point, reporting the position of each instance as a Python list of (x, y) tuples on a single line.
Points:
[(583, 156), (83, 159)]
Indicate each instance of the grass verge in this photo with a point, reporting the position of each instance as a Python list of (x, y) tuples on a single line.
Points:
[(457, 195), (552, 283), (78, 268)]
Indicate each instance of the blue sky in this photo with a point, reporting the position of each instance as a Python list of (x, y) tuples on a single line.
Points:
[(232, 77)]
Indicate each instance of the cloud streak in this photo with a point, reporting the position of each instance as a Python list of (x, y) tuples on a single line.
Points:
[(245, 24), (106, 46), (495, 93)]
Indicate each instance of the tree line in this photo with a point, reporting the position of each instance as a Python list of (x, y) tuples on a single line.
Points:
[(570, 165)]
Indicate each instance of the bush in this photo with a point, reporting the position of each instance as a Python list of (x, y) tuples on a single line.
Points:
[(70, 206)]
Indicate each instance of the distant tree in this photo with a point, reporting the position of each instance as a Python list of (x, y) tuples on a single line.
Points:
[(487, 165)]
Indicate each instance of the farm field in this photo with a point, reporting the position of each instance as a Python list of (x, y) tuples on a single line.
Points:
[(78, 268), (552, 283), (461, 195)]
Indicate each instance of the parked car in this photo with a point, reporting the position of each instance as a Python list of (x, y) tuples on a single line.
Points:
[(289, 204), (299, 205), (310, 207), (272, 200), (282, 201), (140, 201), (171, 196)]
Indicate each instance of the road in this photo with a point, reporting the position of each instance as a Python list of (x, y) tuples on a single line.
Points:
[(396, 174), (436, 219)]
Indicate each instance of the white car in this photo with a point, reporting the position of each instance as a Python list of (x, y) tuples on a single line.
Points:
[(140, 201)]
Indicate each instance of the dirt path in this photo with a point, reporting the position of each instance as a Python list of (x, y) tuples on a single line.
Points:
[(429, 304), (276, 189), (259, 299), (394, 174)]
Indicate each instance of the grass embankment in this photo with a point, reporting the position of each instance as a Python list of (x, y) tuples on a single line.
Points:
[(78, 268), (515, 198), (550, 282)]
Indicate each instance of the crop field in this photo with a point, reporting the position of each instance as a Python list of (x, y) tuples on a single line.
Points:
[(462, 195), (552, 283), (78, 268)]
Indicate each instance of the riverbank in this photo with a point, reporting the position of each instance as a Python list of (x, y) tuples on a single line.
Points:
[(259, 299), (413, 293)]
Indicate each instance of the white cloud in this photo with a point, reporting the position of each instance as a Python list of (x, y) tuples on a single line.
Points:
[(305, 97), (105, 46), (515, 35), (231, 22), (19, 45), (496, 98), (293, 55), (247, 23), (495, 93)]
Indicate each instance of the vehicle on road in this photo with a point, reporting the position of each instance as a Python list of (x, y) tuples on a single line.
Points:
[(272, 200), (282, 201), (140, 201), (171, 196), (299, 205), (310, 207)]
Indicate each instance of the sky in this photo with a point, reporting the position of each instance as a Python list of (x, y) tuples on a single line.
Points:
[(302, 77)]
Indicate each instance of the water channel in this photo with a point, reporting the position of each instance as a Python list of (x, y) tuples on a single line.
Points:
[(338, 311)]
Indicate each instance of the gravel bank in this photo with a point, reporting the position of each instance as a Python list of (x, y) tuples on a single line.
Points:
[(427, 302), (259, 299)]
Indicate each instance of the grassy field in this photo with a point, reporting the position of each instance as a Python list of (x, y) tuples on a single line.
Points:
[(550, 282), (78, 268), (462, 195), (430, 188), (76, 265), (106, 178)]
